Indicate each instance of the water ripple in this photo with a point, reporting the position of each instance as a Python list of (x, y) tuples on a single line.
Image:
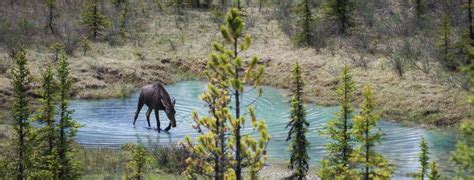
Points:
[(108, 123)]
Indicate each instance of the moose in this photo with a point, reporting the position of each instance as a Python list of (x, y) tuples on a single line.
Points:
[(156, 98)]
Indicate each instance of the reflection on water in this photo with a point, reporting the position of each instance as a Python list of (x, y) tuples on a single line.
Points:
[(108, 123)]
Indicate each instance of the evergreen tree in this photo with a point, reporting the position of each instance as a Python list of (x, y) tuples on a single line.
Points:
[(124, 19), (238, 75), (298, 127), (180, 11), (445, 44), (434, 171), (325, 172), (423, 158), (52, 15), (137, 165), (226, 71), (46, 153), (20, 112), (305, 22), (69, 167), (374, 165), (419, 8), (237, 4), (93, 20), (341, 11), (339, 128), (463, 156), (469, 14)]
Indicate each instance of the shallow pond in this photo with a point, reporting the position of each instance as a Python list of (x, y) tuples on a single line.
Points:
[(108, 123)]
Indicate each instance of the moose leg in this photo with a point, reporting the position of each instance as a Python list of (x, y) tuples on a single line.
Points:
[(148, 116), (139, 108), (157, 115), (168, 128)]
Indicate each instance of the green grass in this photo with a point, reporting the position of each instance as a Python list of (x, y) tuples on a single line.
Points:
[(113, 91), (105, 163)]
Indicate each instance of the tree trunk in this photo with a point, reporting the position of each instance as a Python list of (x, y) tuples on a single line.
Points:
[(238, 167), (471, 31)]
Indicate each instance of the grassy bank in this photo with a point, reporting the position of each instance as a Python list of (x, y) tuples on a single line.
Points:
[(111, 164), (170, 54)]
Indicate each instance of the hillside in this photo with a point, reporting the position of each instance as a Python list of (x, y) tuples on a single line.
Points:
[(170, 53)]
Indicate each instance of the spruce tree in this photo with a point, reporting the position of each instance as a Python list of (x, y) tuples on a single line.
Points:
[(180, 11), (339, 128), (304, 24), (463, 156), (374, 165), (299, 145), (93, 20), (237, 4), (423, 158), (212, 157), (469, 7), (341, 11), (137, 165), (227, 75), (444, 44), (124, 19), (20, 112), (238, 75), (434, 171), (419, 8), (52, 15), (46, 152), (69, 167)]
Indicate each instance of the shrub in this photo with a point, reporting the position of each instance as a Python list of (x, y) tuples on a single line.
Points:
[(170, 159)]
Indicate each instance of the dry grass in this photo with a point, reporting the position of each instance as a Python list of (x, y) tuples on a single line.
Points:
[(170, 54)]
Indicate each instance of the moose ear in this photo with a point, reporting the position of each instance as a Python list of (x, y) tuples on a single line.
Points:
[(173, 100), (166, 105)]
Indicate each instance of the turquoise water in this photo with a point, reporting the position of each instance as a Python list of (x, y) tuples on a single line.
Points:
[(108, 123)]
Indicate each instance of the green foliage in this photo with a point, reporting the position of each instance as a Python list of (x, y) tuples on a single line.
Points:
[(463, 156), (45, 156), (124, 18), (170, 159), (373, 164), (248, 151), (434, 171), (57, 48), (423, 158), (93, 20), (339, 128), (214, 147), (304, 24), (180, 11), (20, 111), (138, 164), (52, 15), (69, 166), (325, 171), (445, 44), (85, 45), (299, 145), (420, 8), (341, 11)]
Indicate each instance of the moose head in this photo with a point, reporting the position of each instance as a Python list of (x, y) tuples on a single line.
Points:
[(170, 112)]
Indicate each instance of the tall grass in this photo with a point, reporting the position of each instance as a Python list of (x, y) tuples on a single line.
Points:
[(113, 91), (170, 159), (107, 163)]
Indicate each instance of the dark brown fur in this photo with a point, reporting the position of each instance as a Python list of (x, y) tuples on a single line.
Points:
[(156, 98)]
